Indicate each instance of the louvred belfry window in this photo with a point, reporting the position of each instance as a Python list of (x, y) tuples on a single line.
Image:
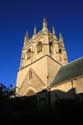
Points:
[(29, 54), (39, 47), (60, 51)]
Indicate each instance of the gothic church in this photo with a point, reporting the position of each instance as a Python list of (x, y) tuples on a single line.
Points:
[(44, 65)]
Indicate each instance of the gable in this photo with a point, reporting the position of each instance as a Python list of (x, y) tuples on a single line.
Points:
[(35, 83)]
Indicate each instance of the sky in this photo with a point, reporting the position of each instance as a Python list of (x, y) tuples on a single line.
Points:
[(19, 16)]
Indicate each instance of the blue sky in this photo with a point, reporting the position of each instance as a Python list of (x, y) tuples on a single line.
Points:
[(19, 16)]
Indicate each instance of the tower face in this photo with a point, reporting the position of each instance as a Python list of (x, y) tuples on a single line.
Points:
[(41, 58)]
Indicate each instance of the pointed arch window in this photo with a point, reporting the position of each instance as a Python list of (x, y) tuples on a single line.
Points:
[(51, 47), (39, 47), (60, 51), (30, 75), (50, 44), (29, 54)]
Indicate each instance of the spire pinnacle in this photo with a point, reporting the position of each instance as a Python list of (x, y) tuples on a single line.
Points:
[(60, 37), (26, 37), (53, 30), (35, 30), (44, 24), (44, 19)]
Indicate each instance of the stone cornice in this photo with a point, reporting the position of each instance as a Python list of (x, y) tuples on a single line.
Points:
[(40, 59)]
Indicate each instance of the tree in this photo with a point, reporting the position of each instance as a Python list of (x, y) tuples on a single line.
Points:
[(3, 90)]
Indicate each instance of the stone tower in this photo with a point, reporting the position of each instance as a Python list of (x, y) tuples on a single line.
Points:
[(41, 58)]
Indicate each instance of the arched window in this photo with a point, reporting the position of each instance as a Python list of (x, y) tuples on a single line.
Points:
[(51, 47), (29, 54), (39, 47), (60, 51), (30, 75)]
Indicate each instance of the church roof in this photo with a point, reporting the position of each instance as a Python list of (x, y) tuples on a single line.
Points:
[(68, 72)]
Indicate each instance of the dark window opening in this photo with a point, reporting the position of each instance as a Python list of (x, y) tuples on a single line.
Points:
[(39, 47), (29, 54), (60, 51), (50, 47)]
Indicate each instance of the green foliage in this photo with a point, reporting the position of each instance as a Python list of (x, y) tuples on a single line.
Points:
[(3, 90), (6, 92)]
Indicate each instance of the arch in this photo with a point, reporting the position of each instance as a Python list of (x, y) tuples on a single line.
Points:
[(39, 47), (51, 47), (30, 91), (60, 50), (29, 54)]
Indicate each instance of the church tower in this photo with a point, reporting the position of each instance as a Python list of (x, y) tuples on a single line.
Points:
[(41, 58)]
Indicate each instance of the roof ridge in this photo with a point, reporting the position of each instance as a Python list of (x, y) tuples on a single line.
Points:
[(80, 58)]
